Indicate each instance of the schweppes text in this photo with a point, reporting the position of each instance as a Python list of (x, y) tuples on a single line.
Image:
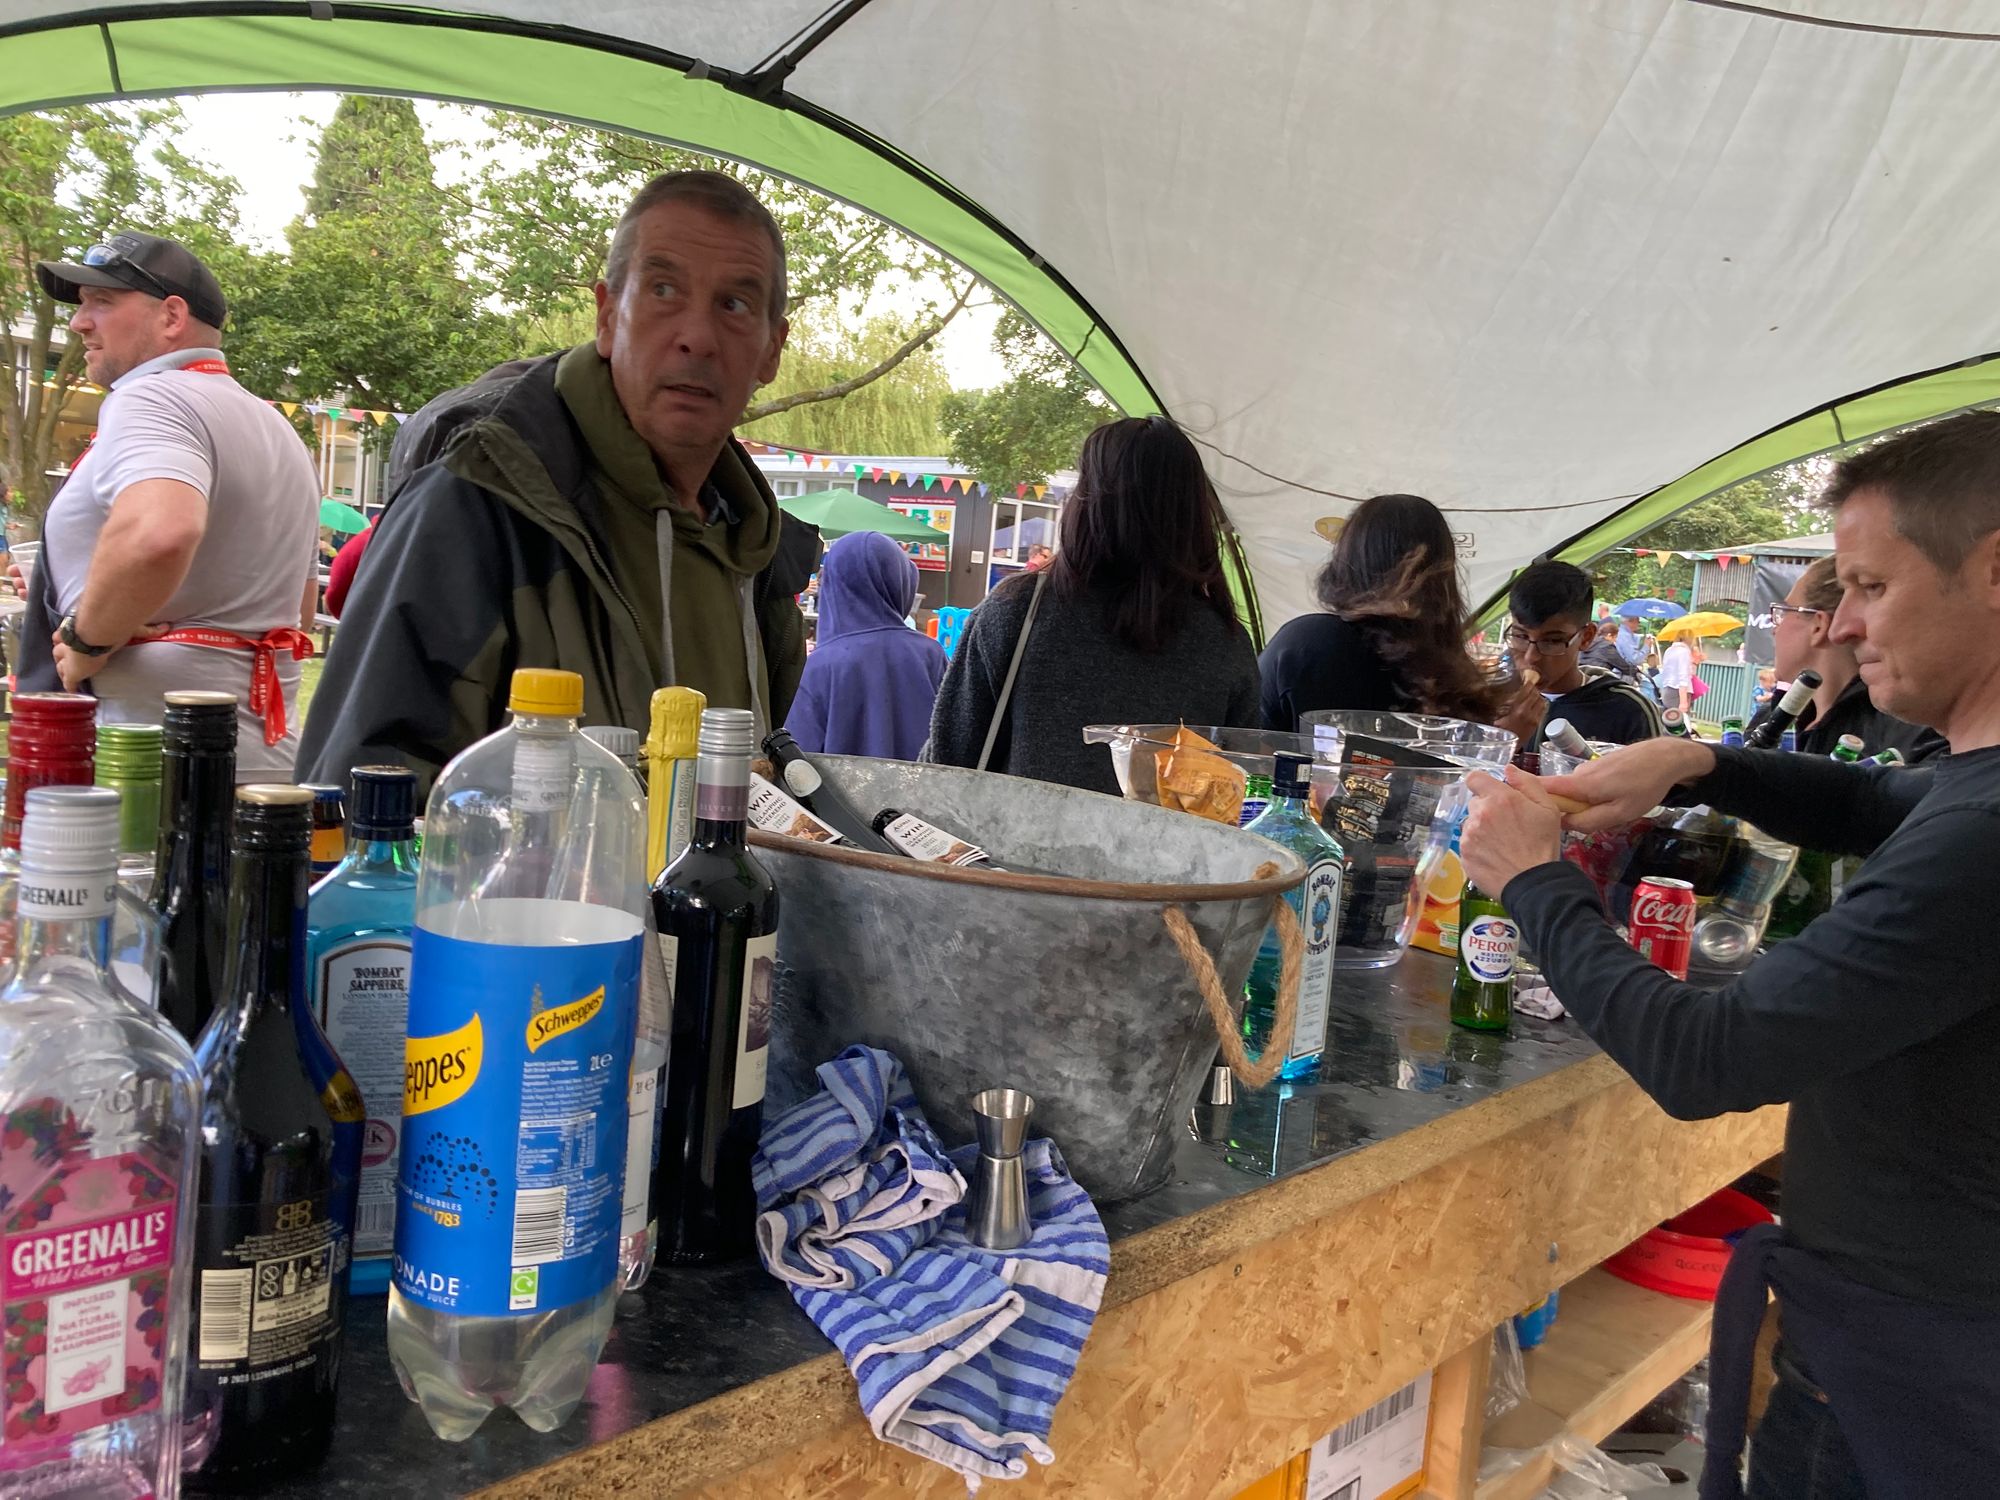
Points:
[(438, 1070), (546, 1025)]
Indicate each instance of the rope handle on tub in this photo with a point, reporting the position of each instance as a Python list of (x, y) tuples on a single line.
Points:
[(1291, 957)]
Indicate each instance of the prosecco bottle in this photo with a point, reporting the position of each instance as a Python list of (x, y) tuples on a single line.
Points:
[(717, 916), (278, 1179), (191, 864)]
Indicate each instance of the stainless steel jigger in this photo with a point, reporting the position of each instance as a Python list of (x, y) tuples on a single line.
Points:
[(996, 1210)]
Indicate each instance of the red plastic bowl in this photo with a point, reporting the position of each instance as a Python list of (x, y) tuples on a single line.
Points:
[(1686, 1256)]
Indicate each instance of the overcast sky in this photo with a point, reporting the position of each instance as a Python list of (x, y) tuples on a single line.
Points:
[(265, 142)]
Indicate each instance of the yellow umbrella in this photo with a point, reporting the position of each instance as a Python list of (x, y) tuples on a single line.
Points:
[(1706, 622)]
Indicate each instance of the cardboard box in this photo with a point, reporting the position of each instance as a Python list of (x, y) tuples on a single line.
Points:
[(1378, 1455)]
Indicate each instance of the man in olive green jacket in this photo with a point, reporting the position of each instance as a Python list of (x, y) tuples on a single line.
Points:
[(590, 511)]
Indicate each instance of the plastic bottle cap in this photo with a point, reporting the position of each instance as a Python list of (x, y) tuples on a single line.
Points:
[(620, 741), (543, 690), (676, 723), (384, 803), (70, 829)]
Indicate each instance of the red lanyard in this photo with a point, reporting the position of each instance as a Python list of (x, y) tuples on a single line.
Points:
[(267, 694), (198, 366)]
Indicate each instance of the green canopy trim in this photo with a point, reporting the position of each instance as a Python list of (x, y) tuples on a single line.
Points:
[(1853, 419), (475, 60)]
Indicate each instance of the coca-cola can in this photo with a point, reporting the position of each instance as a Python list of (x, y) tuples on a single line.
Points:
[(1663, 922)]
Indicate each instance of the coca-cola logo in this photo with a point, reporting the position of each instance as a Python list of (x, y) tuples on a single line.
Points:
[(1657, 909)]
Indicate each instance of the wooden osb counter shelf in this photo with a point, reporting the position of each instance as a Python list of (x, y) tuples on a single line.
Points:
[(1324, 1246)]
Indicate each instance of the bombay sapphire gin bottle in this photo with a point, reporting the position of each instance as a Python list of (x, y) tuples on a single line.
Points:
[(358, 938), (1316, 903)]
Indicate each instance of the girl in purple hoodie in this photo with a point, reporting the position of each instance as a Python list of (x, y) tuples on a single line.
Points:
[(870, 681)]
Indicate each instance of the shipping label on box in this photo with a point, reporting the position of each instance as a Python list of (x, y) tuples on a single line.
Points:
[(1379, 1455)]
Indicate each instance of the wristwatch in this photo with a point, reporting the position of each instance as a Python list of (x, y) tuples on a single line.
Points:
[(75, 642)]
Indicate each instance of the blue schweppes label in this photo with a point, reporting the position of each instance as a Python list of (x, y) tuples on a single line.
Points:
[(513, 1155)]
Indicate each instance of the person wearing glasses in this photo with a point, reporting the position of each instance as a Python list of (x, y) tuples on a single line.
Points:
[(1549, 629), (1801, 637), (179, 552)]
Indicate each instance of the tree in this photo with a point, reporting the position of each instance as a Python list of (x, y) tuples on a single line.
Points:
[(1757, 510), (895, 413), (69, 179), (1032, 424), (550, 195), (371, 307)]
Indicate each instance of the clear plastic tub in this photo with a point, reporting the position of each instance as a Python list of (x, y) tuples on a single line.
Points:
[(1393, 822)]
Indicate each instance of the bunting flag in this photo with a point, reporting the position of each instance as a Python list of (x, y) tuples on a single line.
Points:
[(1723, 560), (808, 457), (1041, 490), (874, 474), (289, 408), (1020, 490), (895, 476), (380, 417), (859, 469)]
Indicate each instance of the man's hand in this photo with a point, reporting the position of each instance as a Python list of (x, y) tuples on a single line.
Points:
[(1512, 827), (74, 667), (17, 578), (1630, 781)]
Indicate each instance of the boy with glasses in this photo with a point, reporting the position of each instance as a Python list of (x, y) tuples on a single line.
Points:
[(1550, 606)]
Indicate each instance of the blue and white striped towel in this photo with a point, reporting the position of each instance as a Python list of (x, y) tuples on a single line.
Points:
[(961, 1353)]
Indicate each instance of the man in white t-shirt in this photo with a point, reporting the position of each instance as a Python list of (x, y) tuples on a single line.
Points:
[(180, 550)]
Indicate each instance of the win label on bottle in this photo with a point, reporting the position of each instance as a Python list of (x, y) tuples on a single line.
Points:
[(515, 1088)]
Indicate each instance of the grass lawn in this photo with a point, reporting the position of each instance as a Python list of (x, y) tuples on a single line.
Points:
[(308, 680)]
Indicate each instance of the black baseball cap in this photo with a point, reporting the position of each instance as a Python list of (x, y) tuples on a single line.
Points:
[(146, 263)]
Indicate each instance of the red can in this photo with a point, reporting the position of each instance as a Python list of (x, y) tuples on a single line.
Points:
[(1663, 922)]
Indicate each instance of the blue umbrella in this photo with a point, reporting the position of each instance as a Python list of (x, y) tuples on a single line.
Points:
[(1650, 609)]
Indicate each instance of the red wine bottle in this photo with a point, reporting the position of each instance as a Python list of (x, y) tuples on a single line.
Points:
[(191, 867), (716, 912), (278, 1180)]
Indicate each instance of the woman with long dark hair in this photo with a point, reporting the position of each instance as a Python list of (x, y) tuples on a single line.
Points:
[(1393, 632), (1131, 623)]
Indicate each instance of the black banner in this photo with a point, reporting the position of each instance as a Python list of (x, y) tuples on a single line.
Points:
[(1773, 580)]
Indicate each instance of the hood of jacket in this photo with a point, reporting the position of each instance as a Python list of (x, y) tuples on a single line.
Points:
[(866, 583)]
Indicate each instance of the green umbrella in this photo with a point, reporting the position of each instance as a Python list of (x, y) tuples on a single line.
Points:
[(837, 512), (337, 516)]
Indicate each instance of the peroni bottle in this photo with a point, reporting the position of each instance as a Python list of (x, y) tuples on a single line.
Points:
[(717, 914), (1482, 996), (100, 1119), (279, 1168)]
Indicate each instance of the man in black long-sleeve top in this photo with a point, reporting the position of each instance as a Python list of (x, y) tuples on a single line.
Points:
[(1879, 1025)]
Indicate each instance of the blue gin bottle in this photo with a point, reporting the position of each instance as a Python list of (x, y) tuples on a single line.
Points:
[(1316, 903), (358, 928)]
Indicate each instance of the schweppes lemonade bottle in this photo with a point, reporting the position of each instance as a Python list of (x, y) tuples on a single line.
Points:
[(524, 994)]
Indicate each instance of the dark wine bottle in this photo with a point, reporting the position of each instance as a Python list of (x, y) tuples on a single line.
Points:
[(1785, 713), (191, 864), (800, 777), (926, 841), (278, 1180), (717, 916)]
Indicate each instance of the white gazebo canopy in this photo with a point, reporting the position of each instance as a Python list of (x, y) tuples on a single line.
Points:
[(1551, 263)]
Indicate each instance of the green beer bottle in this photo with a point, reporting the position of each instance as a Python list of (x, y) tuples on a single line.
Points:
[(1849, 749), (1482, 997)]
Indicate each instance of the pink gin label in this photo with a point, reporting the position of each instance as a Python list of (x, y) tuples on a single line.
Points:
[(86, 1251)]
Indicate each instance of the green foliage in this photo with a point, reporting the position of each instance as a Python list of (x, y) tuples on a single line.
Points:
[(371, 306), (897, 413), (1033, 423), (1757, 510), (68, 179)]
